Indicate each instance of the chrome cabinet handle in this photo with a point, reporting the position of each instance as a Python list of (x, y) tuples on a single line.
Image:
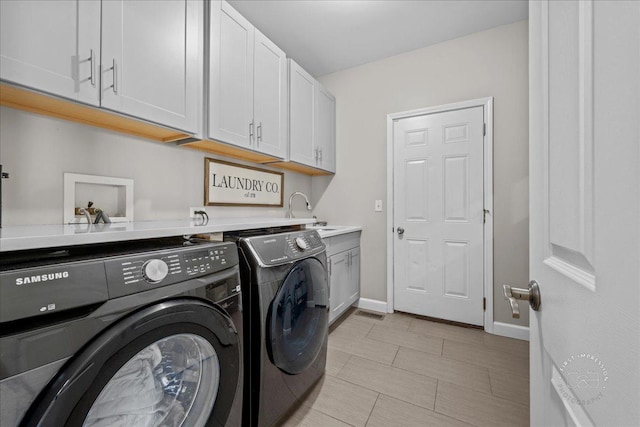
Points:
[(250, 131), (92, 62), (114, 68), (320, 155), (400, 231), (259, 132), (316, 155), (531, 294)]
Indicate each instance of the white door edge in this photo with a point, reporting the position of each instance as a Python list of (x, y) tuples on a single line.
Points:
[(487, 103), (511, 331)]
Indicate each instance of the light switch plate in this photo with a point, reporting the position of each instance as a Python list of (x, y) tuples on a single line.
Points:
[(378, 206)]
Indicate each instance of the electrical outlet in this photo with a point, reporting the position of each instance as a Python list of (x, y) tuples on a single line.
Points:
[(378, 206), (192, 211)]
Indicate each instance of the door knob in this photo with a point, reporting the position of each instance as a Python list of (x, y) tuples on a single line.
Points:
[(400, 231), (532, 294)]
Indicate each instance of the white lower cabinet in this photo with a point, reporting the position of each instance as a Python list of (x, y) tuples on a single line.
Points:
[(343, 262)]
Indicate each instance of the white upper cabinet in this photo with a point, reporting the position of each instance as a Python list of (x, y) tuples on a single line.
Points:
[(325, 129), (247, 85), (152, 60), (301, 116), (52, 46), (270, 97), (312, 121), (230, 76)]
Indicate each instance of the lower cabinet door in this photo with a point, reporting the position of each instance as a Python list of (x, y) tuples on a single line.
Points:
[(352, 288), (338, 282)]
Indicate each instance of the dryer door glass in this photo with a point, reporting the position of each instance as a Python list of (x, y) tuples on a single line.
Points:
[(298, 317), (172, 382)]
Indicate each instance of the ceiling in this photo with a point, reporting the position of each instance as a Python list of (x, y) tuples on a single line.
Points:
[(325, 36)]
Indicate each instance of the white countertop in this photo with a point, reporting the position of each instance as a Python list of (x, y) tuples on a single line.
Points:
[(19, 237), (334, 230)]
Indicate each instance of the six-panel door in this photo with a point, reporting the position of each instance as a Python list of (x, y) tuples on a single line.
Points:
[(438, 202)]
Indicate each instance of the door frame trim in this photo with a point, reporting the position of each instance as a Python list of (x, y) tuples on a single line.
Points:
[(487, 104)]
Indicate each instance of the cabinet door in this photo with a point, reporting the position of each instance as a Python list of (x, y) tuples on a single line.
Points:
[(352, 288), (152, 60), (270, 97), (230, 76), (52, 46), (325, 128), (338, 277), (301, 116)]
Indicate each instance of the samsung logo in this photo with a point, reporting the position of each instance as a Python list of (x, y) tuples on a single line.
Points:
[(41, 278)]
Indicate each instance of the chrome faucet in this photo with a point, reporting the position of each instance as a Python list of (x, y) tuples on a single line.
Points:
[(306, 199)]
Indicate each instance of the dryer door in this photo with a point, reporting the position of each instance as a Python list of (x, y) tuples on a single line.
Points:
[(171, 364), (298, 318)]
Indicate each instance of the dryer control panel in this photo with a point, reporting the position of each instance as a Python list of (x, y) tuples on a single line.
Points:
[(275, 249)]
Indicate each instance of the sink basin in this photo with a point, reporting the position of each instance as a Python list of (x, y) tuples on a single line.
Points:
[(333, 230), (323, 228)]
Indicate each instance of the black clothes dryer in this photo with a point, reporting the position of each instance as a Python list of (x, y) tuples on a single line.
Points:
[(134, 333), (286, 296)]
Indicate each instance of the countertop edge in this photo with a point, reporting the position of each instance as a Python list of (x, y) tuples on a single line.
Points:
[(16, 238), (339, 230)]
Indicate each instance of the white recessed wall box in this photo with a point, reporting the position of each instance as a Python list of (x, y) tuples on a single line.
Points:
[(112, 195)]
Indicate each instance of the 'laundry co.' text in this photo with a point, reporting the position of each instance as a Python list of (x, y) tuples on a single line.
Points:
[(239, 183)]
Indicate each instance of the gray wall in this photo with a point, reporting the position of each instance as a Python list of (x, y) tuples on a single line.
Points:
[(490, 63), (37, 150)]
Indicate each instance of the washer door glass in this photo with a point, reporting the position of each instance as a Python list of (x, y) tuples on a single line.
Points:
[(172, 382), (299, 316)]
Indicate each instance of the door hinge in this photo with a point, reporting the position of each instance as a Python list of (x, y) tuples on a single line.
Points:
[(484, 129), (484, 304)]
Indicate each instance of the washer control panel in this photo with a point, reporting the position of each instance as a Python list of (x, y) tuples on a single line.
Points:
[(131, 274)]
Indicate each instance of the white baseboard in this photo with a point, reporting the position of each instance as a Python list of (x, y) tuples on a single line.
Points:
[(372, 305), (511, 331)]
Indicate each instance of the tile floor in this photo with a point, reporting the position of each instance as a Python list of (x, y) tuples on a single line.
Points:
[(408, 371)]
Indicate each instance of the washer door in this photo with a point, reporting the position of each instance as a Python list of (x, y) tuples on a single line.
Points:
[(172, 364), (298, 318)]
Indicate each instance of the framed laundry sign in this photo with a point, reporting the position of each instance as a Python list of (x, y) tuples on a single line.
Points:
[(231, 184)]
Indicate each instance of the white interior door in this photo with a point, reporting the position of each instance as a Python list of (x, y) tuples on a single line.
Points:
[(585, 212), (438, 215)]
